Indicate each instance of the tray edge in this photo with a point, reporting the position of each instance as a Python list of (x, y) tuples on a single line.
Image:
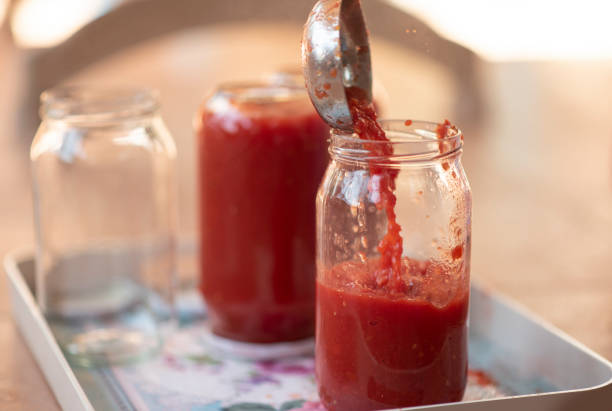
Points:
[(34, 329)]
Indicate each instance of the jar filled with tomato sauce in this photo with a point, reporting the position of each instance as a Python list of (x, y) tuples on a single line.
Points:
[(262, 153), (393, 264)]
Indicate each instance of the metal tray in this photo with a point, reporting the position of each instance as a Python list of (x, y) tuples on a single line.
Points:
[(532, 365)]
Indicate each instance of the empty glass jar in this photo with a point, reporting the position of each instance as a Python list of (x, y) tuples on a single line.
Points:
[(104, 203)]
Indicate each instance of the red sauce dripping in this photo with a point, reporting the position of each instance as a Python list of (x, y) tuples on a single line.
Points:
[(442, 129), (390, 247), (442, 132), (457, 252)]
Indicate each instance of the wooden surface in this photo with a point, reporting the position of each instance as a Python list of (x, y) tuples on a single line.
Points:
[(539, 161)]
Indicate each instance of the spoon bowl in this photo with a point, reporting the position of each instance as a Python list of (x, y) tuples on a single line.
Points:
[(335, 58)]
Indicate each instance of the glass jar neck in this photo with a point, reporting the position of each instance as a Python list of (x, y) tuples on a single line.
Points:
[(287, 76), (259, 99), (251, 96), (98, 106), (412, 142)]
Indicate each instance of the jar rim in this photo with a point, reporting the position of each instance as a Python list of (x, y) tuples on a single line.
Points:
[(98, 104), (260, 91), (411, 141)]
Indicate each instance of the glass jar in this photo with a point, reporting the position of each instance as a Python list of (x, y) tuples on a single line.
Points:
[(385, 342), (262, 153), (104, 206)]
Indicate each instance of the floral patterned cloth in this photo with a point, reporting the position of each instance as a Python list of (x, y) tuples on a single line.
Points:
[(189, 375)]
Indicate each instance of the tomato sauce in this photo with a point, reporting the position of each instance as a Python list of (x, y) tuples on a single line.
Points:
[(379, 349), (260, 163)]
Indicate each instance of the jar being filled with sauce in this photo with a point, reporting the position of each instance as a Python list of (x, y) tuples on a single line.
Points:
[(262, 153), (393, 263)]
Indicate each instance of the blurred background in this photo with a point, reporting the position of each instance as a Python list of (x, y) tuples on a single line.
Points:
[(528, 82)]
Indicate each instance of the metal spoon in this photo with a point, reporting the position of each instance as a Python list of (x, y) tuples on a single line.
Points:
[(335, 57)]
